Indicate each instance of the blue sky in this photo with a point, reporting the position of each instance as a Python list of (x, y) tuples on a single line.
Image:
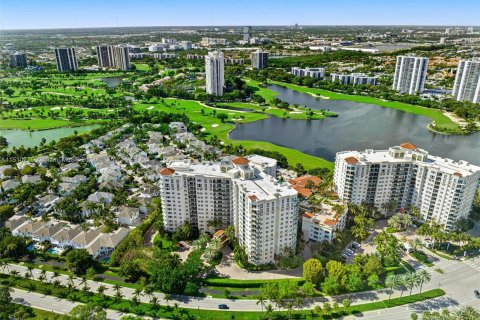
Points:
[(37, 14)]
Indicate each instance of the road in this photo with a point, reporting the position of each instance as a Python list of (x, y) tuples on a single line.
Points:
[(53, 304), (458, 280)]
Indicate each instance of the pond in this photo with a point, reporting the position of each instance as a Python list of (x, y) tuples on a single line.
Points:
[(112, 82), (359, 126), (17, 137)]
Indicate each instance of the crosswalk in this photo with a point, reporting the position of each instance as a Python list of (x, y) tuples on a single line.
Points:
[(475, 264)]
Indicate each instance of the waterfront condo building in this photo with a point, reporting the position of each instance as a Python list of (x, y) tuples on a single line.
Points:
[(467, 81), (410, 74), (235, 192), (354, 78), (442, 189), (214, 73), (18, 59), (66, 59), (317, 73), (259, 59)]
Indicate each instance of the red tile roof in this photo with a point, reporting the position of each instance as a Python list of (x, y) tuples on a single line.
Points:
[(167, 172), (409, 146), (219, 233), (240, 161), (330, 222), (458, 174), (253, 197), (351, 160), (308, 215), (304, 192), (303, 181)]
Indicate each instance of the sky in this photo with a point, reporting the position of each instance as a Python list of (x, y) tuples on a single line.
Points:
[(42, 14)]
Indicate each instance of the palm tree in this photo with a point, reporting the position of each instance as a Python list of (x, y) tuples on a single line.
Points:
[(423, 277), (416, 243), (391, 283), (154, 301), (412, 281), (401, 283), (43, 275), (261, 301), (101, 290), (30, 271), (70, 283), (137, 293), (118, 292)]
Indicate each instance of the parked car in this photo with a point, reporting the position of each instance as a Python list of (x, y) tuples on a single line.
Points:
[(222, 306)]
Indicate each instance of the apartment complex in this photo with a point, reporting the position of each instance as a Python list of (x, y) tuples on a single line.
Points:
[(214, 73), (323, 224), (213, 42), (113, 56), (442, 189), (467, 81), (410, 74), (66, 59), (354, 78), (233, 191), (259, 59), (18, 59), (317, 73)]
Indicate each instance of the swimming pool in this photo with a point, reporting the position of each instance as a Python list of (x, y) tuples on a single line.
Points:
[(31, 247)]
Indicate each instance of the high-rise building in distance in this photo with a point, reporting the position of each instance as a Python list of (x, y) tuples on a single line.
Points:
[(66, 59), (259, 59), (443, 190), (105, 56), (467, 81), (214, 72), (410, 74), (113, 56), (18, 59)]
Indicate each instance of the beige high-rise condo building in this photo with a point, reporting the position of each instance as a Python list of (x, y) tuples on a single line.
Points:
[(113, 56), (234, 191), (442, 189)]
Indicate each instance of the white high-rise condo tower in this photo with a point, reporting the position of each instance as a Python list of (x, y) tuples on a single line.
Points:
[(403, 176), (467, 81), (214, 72), (66, 59), (410, 74), (234, 191)]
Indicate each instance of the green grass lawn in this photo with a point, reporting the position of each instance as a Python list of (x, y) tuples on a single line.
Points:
[(299, 113), (265, 93), (434, 114), (214, 126), (142, 66)]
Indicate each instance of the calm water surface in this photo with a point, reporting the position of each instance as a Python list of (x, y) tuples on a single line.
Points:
[(17, 137), (359, 126), (112, 82)]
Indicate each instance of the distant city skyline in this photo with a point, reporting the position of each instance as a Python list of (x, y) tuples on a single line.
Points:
[(42, 14)]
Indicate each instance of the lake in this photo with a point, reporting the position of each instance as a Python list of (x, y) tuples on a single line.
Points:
[(112, 82), (17, 137), (359, 126)]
